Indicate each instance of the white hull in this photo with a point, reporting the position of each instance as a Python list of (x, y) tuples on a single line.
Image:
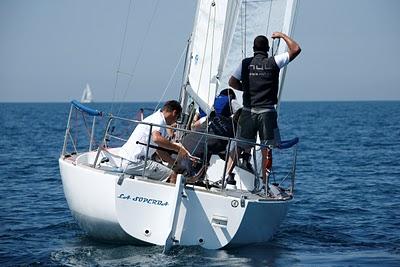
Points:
[(139, 210), (90, 197)]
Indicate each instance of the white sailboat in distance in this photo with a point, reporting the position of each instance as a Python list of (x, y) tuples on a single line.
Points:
[(87, 96)]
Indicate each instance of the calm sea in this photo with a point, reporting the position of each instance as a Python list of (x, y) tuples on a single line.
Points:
[(346, 210)]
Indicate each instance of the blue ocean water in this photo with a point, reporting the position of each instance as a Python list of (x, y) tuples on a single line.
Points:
[(346, 210)]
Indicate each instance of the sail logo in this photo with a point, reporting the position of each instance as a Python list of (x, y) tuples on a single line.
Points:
[(144, 200), (196, 59)]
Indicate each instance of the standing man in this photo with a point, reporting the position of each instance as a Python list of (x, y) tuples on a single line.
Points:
[(134, 154), (258, 78)]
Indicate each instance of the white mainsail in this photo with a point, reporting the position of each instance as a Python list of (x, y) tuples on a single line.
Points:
[(87, 95), (212, 35)]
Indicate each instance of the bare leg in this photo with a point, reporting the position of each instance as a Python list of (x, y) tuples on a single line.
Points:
[(231, 162), (232, 159), (172, 178), (266, 163)]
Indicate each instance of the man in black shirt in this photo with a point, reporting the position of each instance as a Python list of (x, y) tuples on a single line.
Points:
[(258, 78)]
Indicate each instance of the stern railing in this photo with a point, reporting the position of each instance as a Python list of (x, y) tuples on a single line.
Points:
[(77, 107), (109, 135)]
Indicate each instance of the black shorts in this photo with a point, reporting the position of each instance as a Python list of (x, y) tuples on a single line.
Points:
[(265, 124)]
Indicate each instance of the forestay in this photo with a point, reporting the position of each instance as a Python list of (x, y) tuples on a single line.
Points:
[(212, 35)]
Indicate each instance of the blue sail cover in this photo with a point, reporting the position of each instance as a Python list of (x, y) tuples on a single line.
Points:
[(90, 111), (288, 143)]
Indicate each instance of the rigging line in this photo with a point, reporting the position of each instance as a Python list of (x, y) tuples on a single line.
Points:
[(258, 1), (125, 73), (87, 129), (171, 78), (245, 29), (275, 43), (76, 131), (140, 53), (269, 16), (209, 84), (211, 56), (230, 100), (290, 32), (204, 51), (233, 113), (182, 97), (296, 8), (243, 22), (242, 30), (120, 54)]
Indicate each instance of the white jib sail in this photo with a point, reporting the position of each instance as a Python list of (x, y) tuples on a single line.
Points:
[(212, 35), (259, 18)]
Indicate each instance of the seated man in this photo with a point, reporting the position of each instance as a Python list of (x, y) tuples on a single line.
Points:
[(134, 154), (204, 147)]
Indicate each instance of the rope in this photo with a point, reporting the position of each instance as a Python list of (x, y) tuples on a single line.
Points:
[(269, 16), (212, 53), (204, 51), (297, 4), (120, 55), (140, 54), (243, 23), (211, 64), (296, 7), (76, 131), (87, 129), (274, 51), (170, 80), (243, 27), (201, 72)]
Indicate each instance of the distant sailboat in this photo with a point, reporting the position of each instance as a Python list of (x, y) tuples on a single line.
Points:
[(87, 95)]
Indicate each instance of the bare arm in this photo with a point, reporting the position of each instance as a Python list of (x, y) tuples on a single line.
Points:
[(235, 83), (294, 48), (163, 142), (165, 157)]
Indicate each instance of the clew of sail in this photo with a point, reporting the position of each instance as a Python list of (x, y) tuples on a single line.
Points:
[(211, 39)]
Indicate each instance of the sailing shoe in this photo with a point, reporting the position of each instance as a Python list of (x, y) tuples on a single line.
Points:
[(217, 184)]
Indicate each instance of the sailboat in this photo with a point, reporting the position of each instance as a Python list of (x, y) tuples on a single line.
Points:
[(112, 205), (87, 95)]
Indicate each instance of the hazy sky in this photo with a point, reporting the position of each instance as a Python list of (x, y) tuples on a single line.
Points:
[(50, 49)]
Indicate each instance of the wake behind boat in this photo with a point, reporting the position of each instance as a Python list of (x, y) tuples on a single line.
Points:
[(110, 204)]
